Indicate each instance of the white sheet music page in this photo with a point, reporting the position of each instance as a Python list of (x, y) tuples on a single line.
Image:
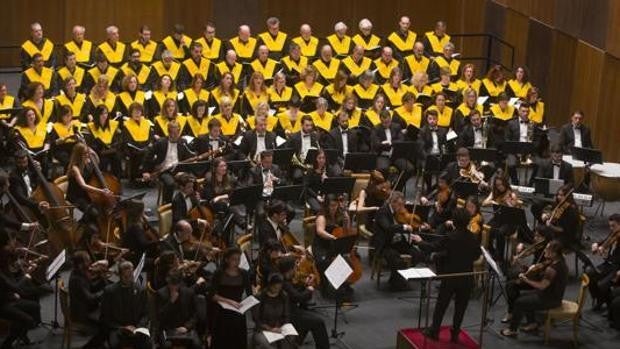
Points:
[(338, 272)]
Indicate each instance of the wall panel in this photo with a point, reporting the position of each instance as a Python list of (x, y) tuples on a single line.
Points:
[(587, 79), (595, 15), (560, 75), (516, 31), (606, 127), (613, 29), (544, 10), (568, 16), (539, 55)]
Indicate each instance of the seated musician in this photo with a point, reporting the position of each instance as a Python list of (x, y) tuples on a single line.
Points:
[(432, 142), (503, 195), (256, 141), (522, 129), (218, 185), (562, 222), (80, 171), (313, 180), (275, 224), (476, 221), (86, 285), (214, 142), (137, 135), (163, 156), (299, 294), (268, 175), (267, 262), (342, 139), (137, 235), (162, 266), (301, 142), (23, 314), (548, 293), (604, 275), (186, 198), (176, 313), (9, 224), (382, 137), (613, 306), (444, 204), (62, 135), (272, 313), (104, 140), (23, 181), (123, 311), (575, 133), (473, 134), (391, 239), (552, 168)]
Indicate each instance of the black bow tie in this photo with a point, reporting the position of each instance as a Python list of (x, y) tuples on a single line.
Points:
[(524, 122), (577, 127), (556, 164), (265, 170), (476, 129), (261, 136), (344, 132), (433, 129), (306, 136)]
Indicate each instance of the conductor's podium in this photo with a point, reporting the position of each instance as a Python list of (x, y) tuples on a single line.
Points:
[(410, 338)]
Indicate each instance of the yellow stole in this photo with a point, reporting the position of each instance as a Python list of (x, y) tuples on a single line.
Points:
[(493, 89), (143, 74), (162, 122), (453, 65), (78, 74), (114, 56), (211, 51), (417, 66), (537, 115), (161, 69), (426, 90), (7, 103), (436, 43), (198, 127), (109, 101), (394, 96), (444, 118), (357, 69), (104, 135), (127, 100), (235, 71), (254, 98), (438, 87), (295, 66), (147, 52), (366, 94), (139, 131), (178, 52), (96, 73), (202, 68), (245, 50), (465, 110), (371, 44), (413, 117), (474, 85), (272, 121), (284, 96), (229, 127), (385, 69), (287, 125), (304, 92), (46, 113), (64, 132), (519, 90), (273, 44), (308, 48), (327, 72), (338, 96), (82, 53), (217, 95), (324, 122), (160, 97), (76, 105), (46, 50), (355, 118), (400, 44), (373, 117), (505, 115), (34, 139), (192, 97), (267, 69), (341, 46), (45, 77)]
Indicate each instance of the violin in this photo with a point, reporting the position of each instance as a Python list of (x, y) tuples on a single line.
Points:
[(610, 240)]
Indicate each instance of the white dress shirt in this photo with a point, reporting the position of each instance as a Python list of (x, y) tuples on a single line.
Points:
[(435, 148), (260, 144), (523, 131), (26, 178), (172, 154), (477, 137), (577, 133), (306, 143), (345, 141)]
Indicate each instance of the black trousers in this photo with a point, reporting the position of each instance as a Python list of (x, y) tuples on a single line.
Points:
[(392, 255), (514, 289), (308, 321), (527, 305), (23, 315), (614, 309), (601, 280), (460, 288), (168, 185), (121, 338)]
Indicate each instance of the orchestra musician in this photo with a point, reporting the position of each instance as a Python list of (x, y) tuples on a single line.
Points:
[(267, 262), (313, 181), (186, 198), (301, 142), (274, 225), (432, 144), (549, 290), (272, 313), (604, 275), (8, 224), (164, 154), (522, 129), (552, 168), (392, 239), (562, 221), (575, 133), (268, 175), (218, 185), (23, 182), (256, 141), (382, 138), (458, 251), (342, 139)]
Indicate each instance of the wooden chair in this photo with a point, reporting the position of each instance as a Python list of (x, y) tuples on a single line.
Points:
[(164, 213), (309, 224), (63, 296), (569, 310)]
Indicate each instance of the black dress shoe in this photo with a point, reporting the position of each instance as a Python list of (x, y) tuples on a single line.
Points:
[(430, 333), (454, 336)]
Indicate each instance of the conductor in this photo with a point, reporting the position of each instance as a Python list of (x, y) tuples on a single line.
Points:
[(457, 253)]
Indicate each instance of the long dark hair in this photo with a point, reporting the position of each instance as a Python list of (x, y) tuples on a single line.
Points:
[(96, 117)]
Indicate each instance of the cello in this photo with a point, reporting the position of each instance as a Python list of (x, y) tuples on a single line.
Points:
[(353, 259), (61, 232)]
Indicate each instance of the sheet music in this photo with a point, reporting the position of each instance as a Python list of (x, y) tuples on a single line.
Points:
[(56, 264), (482, 99), (188, 139), (451, 135), (237, 141), (280, 141), (285, 330), (338, 272), (491, 262), (180, 95), (139, 267), (272, 112), (246, 304), (513, 101), (417, 273), (243, 262), (142, 330)]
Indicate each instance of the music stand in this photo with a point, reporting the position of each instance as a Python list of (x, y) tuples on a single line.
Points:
[(513, 216), (247, 196), (331, 154), (311, 155), (547, 186), (282, 157), (517, 148), (288, 192), (360, 162), (338, 185), (196, 168), (587, 155), (483, 154), (465, 189), (237, 165), (404, 149)]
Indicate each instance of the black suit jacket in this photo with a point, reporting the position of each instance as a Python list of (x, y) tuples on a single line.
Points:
[(294, 141), (513, 133), (255, 175), (266, 232), (334, 140), (19, 189), (249, 141), (123, 306), (385, 227), (425, 139), (567, 137), (202, 144), (85, 296), (378, 136), (180, 313), (467, 138), (545, 170), (157, 153), (459, 249), (179, 207)]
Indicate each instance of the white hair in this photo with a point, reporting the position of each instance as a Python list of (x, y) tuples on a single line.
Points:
[(78, 28), (166, 54), (244, 27), (35, 25), (305, 26), (449, 46), (365, 24), (340, 26), (111, 29)]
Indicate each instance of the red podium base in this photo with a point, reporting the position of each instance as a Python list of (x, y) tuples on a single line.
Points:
[(410, 338)]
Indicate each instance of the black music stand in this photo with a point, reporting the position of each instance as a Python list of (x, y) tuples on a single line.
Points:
[(311, 155), (360, 162), (288, 192), (513, 216), (412, 133), (587, 155), (483, 154), (338, 185), (547, 186), (282, 156), (465, 189), (247, 196), (405, 149), (332, 155), (517, 148), (196, 168)]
